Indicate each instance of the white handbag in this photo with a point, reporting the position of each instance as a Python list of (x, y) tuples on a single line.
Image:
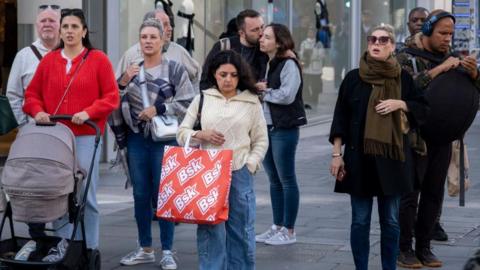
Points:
[(162, 127)]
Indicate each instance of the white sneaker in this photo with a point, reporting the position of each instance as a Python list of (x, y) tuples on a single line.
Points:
[(261, 238), (282, 237), (168, 262), (138, 256), (26, 250)]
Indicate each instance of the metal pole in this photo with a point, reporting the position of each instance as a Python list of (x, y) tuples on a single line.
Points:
[(462, 174), (355, 28)]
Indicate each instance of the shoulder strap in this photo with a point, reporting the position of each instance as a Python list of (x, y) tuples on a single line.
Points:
[(423, 54), (198, 123), (225, 44), (36, 52)]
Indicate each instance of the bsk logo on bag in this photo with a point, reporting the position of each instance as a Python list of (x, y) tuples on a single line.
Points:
[(189, 215), (193, 168), (206, 202), (213, 153), (169, 166), (165, 195), (182, 200), (187, 151), (211, 176), (167, 214)]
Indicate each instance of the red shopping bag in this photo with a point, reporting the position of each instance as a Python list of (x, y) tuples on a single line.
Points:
[(194, 185)]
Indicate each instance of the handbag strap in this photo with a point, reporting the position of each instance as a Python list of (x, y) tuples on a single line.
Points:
[(36, 52), (70, 82), (198, 124)]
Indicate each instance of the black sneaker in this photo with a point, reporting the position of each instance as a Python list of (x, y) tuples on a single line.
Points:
[(308, 107), (427, 258), (407, 259), (439, 233)]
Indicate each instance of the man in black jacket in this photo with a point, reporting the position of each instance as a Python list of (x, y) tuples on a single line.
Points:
[(250, 27), (431, 167)]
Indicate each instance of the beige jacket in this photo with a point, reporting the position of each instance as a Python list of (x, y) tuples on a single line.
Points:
[(240, 119)]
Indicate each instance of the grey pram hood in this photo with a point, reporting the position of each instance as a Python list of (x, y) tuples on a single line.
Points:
[(40, 172)]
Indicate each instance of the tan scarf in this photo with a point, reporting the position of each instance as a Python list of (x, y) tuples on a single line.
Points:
[(383, 133)]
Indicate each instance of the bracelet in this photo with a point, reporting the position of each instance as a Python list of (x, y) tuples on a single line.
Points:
[(336, 154)]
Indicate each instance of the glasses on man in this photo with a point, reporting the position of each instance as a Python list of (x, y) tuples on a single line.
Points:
[(72, 11), (382, 40), (54, 7)]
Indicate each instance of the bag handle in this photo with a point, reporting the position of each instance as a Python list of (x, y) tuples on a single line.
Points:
[(187, 141)]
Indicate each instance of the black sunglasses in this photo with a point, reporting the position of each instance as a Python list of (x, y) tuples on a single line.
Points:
[(43, 7), (71, 11), (381, 40)]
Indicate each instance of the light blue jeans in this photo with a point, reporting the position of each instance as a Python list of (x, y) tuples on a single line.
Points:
[(231, 245), (84, 147)]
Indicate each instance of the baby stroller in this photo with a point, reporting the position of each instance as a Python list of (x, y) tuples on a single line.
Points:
[(47, 148)]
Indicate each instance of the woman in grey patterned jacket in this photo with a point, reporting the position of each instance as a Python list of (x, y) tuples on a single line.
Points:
[(170, 91)]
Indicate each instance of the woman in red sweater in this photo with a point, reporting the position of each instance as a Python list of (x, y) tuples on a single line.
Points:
[(78, 80)]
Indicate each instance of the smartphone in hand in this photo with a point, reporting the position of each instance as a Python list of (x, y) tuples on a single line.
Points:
[(341, 174)]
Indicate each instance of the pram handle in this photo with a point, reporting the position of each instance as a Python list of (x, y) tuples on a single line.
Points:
[(88, 122)]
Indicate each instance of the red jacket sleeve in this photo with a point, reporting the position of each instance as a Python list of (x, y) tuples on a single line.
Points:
[(34, 103), (109, 98)]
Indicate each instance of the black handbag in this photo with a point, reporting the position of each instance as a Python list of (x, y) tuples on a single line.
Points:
[(8, 121)]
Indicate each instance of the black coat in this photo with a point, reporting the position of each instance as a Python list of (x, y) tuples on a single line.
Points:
[(368, 175)]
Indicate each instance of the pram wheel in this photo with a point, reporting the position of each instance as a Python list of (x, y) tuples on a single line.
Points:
[(94, 261)]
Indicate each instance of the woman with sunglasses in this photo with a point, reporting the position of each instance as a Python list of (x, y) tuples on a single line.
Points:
[(377, 104), (78, 80)]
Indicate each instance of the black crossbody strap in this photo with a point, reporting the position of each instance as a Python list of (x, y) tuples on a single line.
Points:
[(198, 123), (36, 52)]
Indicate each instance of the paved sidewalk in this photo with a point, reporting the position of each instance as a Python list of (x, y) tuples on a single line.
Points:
[(323, 221)]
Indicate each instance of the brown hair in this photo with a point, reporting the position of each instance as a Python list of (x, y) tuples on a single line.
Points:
[(283, 38), (247, 13)]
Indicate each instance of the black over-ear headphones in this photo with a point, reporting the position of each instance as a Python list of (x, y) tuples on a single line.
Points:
[(427, 27)]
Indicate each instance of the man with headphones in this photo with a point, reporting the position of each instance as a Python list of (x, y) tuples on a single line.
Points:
[(418, 214)]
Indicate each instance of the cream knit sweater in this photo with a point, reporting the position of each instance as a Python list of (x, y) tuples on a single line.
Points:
[(240, 119)]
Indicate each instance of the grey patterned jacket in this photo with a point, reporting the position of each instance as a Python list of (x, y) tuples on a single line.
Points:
[(171, 93)]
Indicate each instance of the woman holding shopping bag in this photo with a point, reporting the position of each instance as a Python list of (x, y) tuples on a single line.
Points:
[(169, 93), (231, 118)]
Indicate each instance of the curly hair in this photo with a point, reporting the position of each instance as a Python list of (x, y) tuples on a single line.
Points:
[(245, 77)]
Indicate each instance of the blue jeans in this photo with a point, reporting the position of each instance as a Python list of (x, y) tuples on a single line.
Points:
[(84, 147), (279, 164), (145, 164), (388, 209), (231, 245)]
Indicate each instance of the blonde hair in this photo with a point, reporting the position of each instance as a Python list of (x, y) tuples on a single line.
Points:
[(384, 27)]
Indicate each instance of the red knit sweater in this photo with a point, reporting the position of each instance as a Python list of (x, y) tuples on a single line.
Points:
[(93, 90)]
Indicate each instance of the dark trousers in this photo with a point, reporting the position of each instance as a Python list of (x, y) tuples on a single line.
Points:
[(312, 88), (420, 214)]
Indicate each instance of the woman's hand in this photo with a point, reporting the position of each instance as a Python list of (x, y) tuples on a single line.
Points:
[(337, 168), (211, 136), (261, 86), (131, 72), (148, 113), (80, 117), (390, 105), (42, 117)]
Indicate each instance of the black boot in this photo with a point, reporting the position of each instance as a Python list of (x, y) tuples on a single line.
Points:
[(439, 233)]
